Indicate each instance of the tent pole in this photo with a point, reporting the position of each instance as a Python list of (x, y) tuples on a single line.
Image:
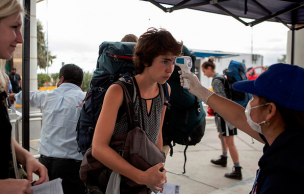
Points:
[(26, 77), (292, 44)]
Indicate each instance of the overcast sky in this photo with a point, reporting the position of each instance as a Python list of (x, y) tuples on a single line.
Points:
[(77, 27)]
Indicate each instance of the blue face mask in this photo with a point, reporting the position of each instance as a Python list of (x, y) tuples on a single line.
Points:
[(255, 126)]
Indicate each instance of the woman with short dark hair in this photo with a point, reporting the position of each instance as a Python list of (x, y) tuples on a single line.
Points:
[(154, 62)]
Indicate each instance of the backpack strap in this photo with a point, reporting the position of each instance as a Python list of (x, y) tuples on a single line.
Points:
[(129, 106), (140, 104)]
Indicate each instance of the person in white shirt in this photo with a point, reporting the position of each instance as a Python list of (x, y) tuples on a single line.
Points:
[(58, 146)]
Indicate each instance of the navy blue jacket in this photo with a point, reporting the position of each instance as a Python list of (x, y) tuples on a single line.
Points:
[(282, 165)]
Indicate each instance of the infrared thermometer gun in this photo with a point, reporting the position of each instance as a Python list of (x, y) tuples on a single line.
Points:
[(185, 63)]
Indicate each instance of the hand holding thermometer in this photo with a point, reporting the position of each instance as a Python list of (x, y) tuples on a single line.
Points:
[(185, 63)]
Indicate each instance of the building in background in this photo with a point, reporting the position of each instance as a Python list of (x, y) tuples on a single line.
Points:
[(222, 60)]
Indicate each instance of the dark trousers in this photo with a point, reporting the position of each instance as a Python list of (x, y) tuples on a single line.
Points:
[(67, 170)]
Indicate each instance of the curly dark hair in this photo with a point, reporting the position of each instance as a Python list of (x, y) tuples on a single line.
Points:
[(153, 43)]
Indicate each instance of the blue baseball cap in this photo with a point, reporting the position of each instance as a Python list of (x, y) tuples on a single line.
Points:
[(281, 83)]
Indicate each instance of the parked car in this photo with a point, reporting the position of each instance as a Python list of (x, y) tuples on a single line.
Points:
[(254, 72)]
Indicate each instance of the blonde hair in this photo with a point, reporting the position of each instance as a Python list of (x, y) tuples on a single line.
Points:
[(7, 8), (10, 7)]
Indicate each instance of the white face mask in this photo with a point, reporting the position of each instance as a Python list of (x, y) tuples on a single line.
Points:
[(255, 126)]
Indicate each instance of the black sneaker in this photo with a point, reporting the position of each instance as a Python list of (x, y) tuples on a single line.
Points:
[(235, 174), (222, 161)]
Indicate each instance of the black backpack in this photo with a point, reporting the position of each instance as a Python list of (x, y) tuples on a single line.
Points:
[(184, 121), (115, 62)]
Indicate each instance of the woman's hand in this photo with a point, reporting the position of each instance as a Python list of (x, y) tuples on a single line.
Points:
[(33, 166), (196, 87), (154, 177), (15, 186)]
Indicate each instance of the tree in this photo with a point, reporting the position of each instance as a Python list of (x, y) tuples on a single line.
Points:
[(55, 77), (87, 77), (42, 49), (283, 59), (42, 79)]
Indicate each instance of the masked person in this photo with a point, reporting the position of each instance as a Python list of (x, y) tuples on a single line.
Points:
[(15, 80), (275, 117)]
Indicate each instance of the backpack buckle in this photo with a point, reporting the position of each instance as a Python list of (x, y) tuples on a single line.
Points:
[(100, 89), (111, 78), (135, 118)]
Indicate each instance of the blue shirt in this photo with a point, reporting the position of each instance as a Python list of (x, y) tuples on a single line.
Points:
[(60, 116), (10, 87)]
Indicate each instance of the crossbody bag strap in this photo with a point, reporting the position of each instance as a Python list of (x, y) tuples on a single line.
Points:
[(140, 104), (129, 106)]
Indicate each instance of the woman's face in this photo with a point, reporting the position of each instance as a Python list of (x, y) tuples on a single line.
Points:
[(208, 72), (10, 35), (257, 114), (161, 68)]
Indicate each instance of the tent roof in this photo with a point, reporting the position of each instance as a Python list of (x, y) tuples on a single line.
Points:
[(284, 11)]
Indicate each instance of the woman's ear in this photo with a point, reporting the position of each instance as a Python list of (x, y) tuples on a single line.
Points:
[(271, 110)]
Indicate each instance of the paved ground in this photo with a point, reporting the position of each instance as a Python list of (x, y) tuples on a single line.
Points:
[(201, 176), (204, 177)]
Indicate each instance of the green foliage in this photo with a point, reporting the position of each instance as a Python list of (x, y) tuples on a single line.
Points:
[(42, 49), (42, 79), (87, 77), (283, 59), (55, 77)]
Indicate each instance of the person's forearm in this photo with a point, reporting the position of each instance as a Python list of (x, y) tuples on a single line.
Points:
[(110, 158), (233, 113), (21, 154)]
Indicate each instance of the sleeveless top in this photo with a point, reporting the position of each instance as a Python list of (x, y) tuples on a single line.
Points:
[(5, 140), (151, 121)]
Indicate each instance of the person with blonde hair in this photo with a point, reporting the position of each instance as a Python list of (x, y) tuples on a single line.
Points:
[(10, 35), (225, 129)]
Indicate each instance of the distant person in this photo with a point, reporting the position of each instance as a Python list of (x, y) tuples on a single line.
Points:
[(129, 38), (225, 129), (15, 80), (58, 146), (11, 14)]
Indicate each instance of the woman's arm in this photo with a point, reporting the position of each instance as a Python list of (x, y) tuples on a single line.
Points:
[(229, 110), (106, 155), (32, 165)]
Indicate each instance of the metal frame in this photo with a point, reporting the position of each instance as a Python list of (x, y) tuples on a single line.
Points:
[(270, 15), (26, 76), (33, 117)]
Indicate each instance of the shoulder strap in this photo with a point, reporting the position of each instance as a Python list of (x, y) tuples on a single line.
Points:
[(165, 92), (129, 106), (140, 104)]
